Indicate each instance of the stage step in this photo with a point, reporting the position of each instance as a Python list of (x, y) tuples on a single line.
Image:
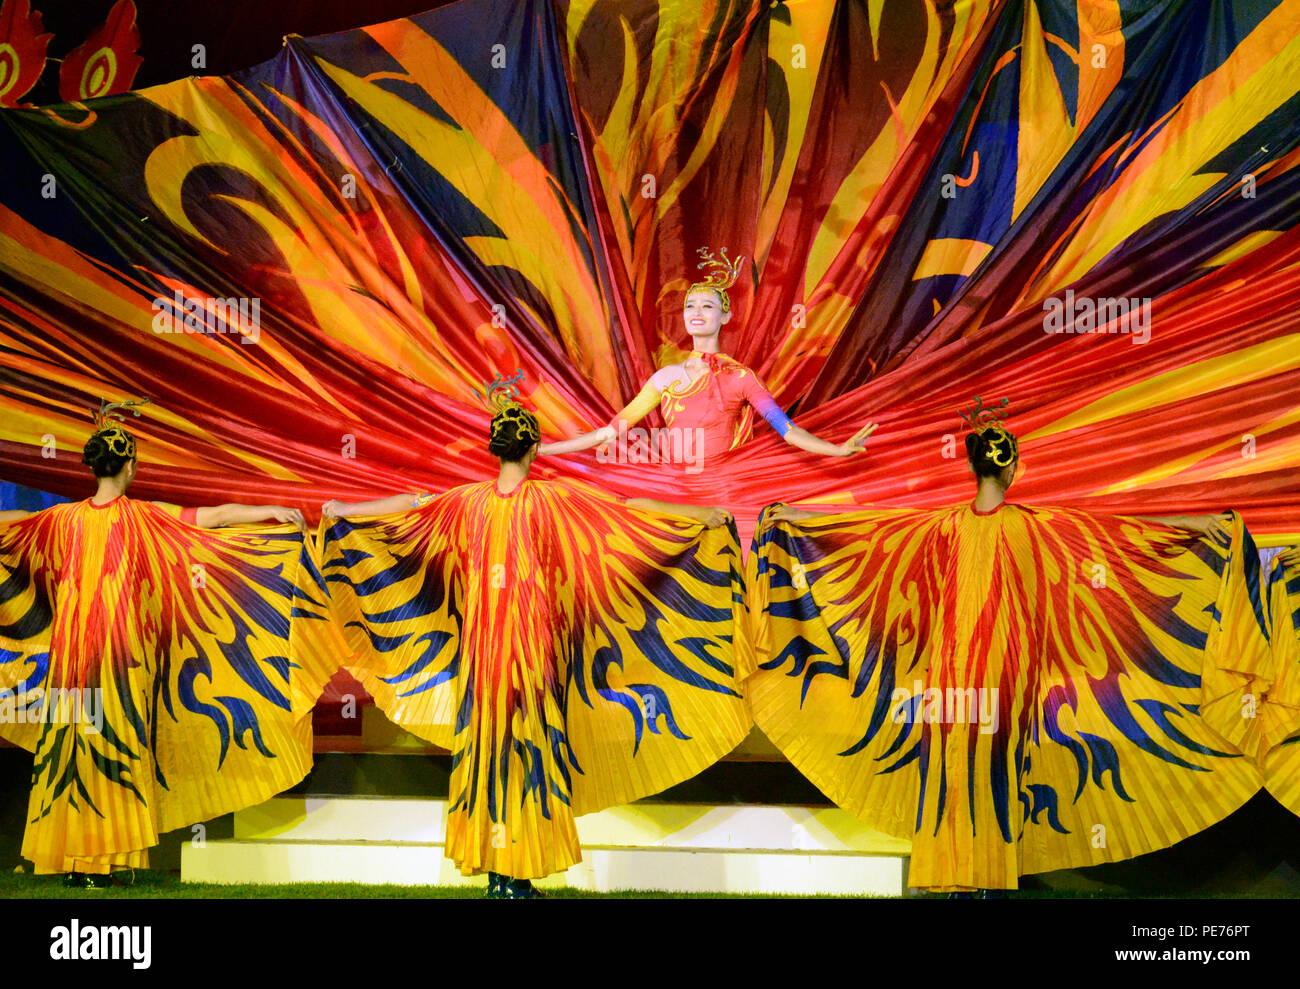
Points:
[(648, 845), (374, 733)]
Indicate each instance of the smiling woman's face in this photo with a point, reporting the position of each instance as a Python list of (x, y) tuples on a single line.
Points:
[(703, 314)]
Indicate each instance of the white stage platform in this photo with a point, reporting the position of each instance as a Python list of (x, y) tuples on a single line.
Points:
[(649, 845)]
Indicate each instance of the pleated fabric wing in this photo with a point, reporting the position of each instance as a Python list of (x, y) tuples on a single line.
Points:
[(30, 556), (571, 652), (1281, 707), (1015, 692), (152, 671)]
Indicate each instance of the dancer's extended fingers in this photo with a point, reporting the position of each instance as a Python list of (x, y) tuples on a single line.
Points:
[(859, 439)]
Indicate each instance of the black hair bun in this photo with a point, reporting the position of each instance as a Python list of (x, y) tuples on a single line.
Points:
[(100, 458), (980, 451), (506, 443)]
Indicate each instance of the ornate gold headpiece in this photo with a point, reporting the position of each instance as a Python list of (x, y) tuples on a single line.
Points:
[(120, 442), (990, 422), (721, 274), (502, 400)]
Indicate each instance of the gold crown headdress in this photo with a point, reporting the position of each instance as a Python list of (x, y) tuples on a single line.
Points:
[(502, 400), (721, 274), (1003, 446), (120, 442)]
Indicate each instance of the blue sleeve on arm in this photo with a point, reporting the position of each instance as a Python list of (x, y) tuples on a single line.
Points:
[(770, 411)]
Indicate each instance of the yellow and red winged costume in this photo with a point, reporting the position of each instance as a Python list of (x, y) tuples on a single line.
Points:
[(1019, 691), (148, 663), (571, 652)]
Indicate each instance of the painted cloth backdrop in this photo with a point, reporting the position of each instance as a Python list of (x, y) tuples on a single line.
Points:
[(407, 209)]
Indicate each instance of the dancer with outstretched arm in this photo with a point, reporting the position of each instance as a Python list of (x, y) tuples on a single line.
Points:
[(145, 658), (1015, 689), (572, 651), (708, 392)]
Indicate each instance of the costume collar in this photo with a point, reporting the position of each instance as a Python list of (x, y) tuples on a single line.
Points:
[(716, 362)]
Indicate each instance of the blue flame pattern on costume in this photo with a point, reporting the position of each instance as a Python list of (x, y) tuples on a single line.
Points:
[(1016, 692), (1281, 708), (573, 654), (184, 634)]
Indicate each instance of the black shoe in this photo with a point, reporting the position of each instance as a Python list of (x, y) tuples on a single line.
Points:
[(496, 887), (86, 880), (522, 889)]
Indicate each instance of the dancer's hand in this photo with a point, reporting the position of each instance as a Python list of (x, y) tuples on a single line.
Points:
[(1211, 525), (1290, 557), (788, 513), (713, 516), (288, 515), (334, 509), (858, 442)]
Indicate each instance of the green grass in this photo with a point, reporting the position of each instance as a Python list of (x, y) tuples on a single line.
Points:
[(168, 886)]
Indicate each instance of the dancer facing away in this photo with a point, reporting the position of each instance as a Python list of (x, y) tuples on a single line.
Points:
[(1014, 689), (1281, 708), (709, 391), (573, 652), (146, 662)]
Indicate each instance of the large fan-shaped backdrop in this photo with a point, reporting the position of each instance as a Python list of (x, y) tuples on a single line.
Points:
[(504, 184)]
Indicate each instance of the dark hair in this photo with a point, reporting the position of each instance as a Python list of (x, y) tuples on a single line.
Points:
[(507, 443), (101, 459), (982, 447)]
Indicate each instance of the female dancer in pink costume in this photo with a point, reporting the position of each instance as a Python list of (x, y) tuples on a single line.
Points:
[(706, 394)]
